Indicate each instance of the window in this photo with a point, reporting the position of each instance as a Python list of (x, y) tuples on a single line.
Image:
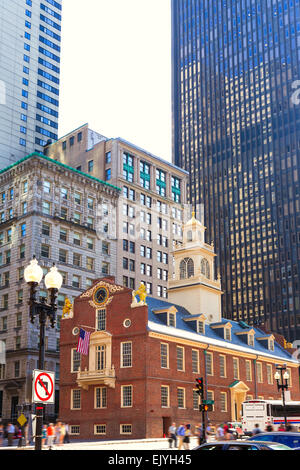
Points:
[(46, 187), (63, 256), (128, 167), (223, 402), (108, 174), (222, 360), (209, 363), (46, 229), (269, 374), (46, 208), (126, 429), (126, 354), (195, 361), (164, 356), (259, 372), (201, 327), (126, 396), (236, 368), (100, 397), (161, 183), (90, 263), (76, 281), (180, 358), (186, 268), (45, 251), (100, 429), (227, 334), (108, 157), (101, 320), (76, 259), (180, 397), (75, 361), (164, 396), (248, 371), (23, 230), (145, 175), (205, 269), (75, 399)]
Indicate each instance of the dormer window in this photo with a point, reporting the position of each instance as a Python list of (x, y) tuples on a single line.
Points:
[(227, 334), (189, 236), (251, 340), (223, 330), (267, 342), (201, 327), (171, 319)]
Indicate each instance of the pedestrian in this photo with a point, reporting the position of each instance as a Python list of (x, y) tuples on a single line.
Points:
[(187, 435), (208, 432), (67, 436), (20, 437), (269, 428), (180, 434), (57, 433), (220, 433), (256, 430), (62, 434), (44, 435), (281, 427), (10, 434), (172, 435), (50, 436), (1, 434), (198, 433)]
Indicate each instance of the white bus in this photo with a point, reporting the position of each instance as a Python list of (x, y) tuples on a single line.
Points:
[(269, 412)]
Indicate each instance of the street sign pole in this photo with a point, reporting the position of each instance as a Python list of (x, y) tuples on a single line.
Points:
[(43, 393)]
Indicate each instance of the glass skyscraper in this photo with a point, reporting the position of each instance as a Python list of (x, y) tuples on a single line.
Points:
[(236, 129), (30, 46)]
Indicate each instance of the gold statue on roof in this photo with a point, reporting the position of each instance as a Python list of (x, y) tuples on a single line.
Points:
[(67, 309), (142, 294)]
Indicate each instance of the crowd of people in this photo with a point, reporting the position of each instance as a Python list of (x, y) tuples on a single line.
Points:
[(52, 434), (180, 436)]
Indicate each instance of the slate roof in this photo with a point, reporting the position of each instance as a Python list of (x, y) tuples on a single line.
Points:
[(185, 330)]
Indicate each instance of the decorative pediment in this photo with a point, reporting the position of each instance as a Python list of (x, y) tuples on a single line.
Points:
[(108, 291)]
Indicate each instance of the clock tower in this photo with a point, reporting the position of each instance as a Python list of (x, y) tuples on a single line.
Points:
[(194, 284)]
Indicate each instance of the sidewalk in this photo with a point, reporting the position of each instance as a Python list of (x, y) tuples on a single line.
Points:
[(150, 444)]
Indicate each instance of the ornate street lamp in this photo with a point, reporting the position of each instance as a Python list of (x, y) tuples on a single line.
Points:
[(33, 275), (282, 376)]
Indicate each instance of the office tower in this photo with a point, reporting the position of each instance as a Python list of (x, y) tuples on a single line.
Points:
[(236, 121), (30, 46), (59, 215), (151, 208)]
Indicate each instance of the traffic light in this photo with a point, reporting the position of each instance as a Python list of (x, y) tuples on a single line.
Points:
[(205, 407), (200, 386)]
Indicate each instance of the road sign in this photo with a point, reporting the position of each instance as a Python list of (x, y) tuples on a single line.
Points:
[(43, 387), (208, 402), (22, 420)]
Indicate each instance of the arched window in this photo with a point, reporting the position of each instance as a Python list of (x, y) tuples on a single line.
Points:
[(205, 269), (186, 268)]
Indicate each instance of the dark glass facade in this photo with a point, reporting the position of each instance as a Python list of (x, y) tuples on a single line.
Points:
[(236, 129)]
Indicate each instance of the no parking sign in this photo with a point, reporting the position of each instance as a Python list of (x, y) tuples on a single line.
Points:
[(43, 387)]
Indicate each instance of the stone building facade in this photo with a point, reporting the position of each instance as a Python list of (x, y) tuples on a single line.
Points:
[(151, 209), (59, 215)]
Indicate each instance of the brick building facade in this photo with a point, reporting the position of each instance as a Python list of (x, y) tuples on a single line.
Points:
[(143, 359)]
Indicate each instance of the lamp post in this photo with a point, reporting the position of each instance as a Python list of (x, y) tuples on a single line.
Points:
[(33, 275), (282, 376)]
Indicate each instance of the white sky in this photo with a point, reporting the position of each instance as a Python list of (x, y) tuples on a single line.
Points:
[(116, 70)]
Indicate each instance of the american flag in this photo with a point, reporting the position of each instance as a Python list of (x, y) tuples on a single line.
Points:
[(83, 342)]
